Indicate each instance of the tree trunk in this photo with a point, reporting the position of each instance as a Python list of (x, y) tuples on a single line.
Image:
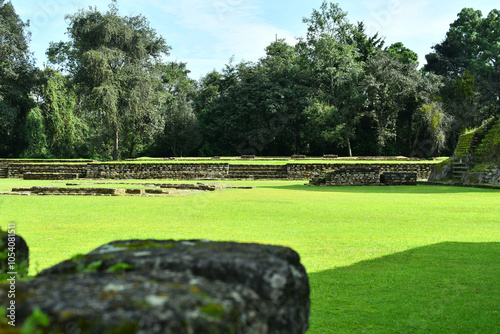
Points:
[(132, 147), (349, 147), (115, 148)]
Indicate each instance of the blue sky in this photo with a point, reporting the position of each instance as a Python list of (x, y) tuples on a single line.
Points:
[(206, 33)]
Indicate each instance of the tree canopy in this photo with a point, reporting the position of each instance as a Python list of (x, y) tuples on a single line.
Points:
[(18, 78), (468, 61), (110, 92), (114, 62)]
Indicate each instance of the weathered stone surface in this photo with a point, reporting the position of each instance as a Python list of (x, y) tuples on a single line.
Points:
[(212, 170), (156, 302), (440, 172), (307, 171), (348, 176), (50, 176), (21, 252), (39, 190), (399, 178), (273, 272)]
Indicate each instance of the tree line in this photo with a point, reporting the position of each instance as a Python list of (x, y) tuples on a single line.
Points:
[(108, 93)]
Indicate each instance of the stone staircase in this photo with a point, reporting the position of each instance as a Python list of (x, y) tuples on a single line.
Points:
[(257, 172), (478, 149), (463, 163), (458, 169)]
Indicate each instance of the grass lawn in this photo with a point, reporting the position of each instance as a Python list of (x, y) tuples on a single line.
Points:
[(273, 162), (422, 259)]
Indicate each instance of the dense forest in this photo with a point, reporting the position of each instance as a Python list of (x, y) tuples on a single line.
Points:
[(108, 93)]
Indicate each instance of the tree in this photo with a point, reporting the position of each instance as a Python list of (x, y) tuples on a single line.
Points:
[(330, 56), (17, 78), (388, 84), (254, 108), (468, 59), (35, 136), (401, 52), (367, 46), (114, 62), (181, 133), (63, 128)]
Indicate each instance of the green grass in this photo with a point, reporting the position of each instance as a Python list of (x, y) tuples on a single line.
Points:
[(419, 259), (272, 162), (239, 161)]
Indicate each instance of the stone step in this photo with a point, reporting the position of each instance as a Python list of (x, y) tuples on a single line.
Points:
[(4, 172)]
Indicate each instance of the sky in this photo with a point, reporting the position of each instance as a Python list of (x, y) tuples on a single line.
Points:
[(205, 34)]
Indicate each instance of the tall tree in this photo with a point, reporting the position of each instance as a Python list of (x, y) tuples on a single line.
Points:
[(401, 52), (468, 59), (388, 84), (330, 56), (17, 79), (254, 108), (181, 133), (113, 61), (63, 128)]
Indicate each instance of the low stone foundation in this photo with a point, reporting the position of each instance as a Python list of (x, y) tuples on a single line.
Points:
[(37, 190), (93, 191)]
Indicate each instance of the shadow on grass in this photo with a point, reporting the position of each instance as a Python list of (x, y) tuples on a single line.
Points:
[(420, 189), (448, 287)]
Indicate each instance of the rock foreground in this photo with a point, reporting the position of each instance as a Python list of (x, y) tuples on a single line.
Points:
[(167, 286)]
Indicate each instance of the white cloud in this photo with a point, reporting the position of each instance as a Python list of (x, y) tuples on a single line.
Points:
[(212, 32)]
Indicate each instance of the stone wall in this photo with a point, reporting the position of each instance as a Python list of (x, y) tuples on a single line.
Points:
[(490, 175), (307, 171), (186, 171), (363, 176), (177, 171), (352, 176), (17, 170), (399, 178), (50, 176)]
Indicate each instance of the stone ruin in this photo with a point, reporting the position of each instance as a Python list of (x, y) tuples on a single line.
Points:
[(476, 160), (362, 176), (160, 189), (167, 286)]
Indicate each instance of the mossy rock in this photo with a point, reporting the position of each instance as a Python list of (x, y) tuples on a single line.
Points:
[(14, 254), (274, 273)]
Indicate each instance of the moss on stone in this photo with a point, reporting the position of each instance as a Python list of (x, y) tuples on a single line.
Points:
[(120, 266), (213, 310)]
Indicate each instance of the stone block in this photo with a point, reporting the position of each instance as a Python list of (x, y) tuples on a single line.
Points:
[(266, 287), (399, 178), (135, 191), (14, 251)]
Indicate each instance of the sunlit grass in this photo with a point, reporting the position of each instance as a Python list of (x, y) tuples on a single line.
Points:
[(379, 259)]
